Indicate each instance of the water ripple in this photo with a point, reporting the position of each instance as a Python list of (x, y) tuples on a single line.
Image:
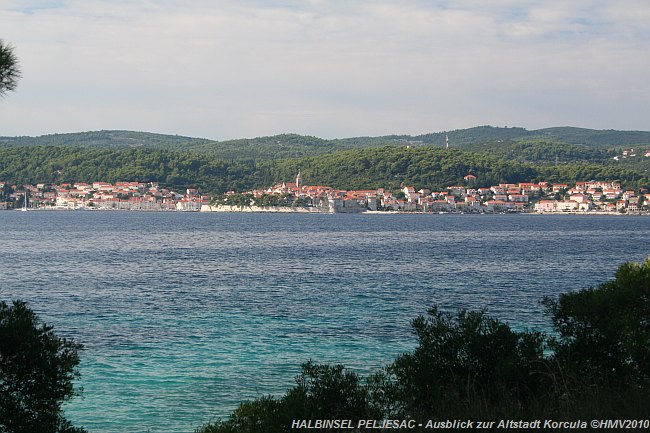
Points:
[(184, 315)]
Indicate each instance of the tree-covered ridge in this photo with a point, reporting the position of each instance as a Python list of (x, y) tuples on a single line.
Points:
[(434, 168), (583, 136), (597, 138), (548, 151), (385, 167), (259, 148), (389, 167), (564, 144), (32, 165), (106, 139), (464, 137), (541, 150), (287, 146)]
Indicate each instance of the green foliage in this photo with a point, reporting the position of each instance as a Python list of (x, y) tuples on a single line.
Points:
[(108, 139), (9, 69), (541, 150), (494, 155), (460, 138), (390, 167), (239, 200), (259, 149), (267, 148), (274, 200), (567, 144), (597, 138), (321, 392), (426, 167), (471, 366), (384, 167), (178, 169), (604, 332), (263, 415), (36, 373), (334, 393)]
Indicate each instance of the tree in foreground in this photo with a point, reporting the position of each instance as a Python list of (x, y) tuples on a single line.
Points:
[(9, 70), (604, 332), (37, 369), (469, 365), (603, 342), (321, 392)]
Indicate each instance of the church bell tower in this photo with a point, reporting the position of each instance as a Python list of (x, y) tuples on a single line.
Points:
[(299, 180)]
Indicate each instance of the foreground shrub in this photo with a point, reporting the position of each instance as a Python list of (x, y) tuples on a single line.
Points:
[(604, 332), (36, 373), (321, 392), (469, 365), (472, 366)]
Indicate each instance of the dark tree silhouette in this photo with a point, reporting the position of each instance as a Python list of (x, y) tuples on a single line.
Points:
[(9, 69), (36, 373)]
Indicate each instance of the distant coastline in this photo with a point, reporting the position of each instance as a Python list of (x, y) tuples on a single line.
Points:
[(262, 209), (312, 210), (289, 210), (592, 197)]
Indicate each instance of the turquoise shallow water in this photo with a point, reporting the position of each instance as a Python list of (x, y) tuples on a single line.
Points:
[(183, 315)]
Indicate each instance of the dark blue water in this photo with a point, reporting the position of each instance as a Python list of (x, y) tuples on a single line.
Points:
[(183, 315)]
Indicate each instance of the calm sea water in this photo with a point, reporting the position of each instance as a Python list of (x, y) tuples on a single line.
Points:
[(183, 315)]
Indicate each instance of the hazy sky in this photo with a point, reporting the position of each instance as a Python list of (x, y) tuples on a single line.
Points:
[(232, 69)]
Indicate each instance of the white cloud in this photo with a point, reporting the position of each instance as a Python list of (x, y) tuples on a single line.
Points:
[(328, 68)]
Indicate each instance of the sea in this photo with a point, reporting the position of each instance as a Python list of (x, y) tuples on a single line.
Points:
[(184, 315)]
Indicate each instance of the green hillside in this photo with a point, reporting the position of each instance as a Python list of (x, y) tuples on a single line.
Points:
[(461, 138), (388, 167), (598, 138), (288, 146), (492, 154), (259, 148), (544, 145), (52, 164), (428, 167), (540, 150), (106, 139), (603, 139)]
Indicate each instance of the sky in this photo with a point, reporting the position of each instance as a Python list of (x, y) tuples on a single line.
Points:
[(224, 69)]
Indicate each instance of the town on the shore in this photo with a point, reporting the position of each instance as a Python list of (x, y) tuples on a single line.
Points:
[(539, 197)]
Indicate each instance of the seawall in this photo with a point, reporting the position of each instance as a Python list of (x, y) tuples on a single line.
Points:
[(275, 209)]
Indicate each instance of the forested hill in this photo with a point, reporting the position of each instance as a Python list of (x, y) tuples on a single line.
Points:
[(493, 154), (552, 144), (595, 138), (260, 148), (388, 167), (102, 139), (578, 136)]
